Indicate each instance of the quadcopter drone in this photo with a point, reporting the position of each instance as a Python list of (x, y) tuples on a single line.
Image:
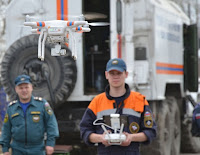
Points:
[(57, 32)]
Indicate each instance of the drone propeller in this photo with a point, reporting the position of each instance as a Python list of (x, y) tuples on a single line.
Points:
[(86, 16), (94, 15), (99, 24)]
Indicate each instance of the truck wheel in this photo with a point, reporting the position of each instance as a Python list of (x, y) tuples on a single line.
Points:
[(162, 144), (21, 58), (189, 144), (175, 124), (164, 129)]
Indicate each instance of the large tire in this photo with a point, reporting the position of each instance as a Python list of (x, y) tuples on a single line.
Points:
[(175, 124), (189, 144), (21, 58), (163, 122), (162, 144)]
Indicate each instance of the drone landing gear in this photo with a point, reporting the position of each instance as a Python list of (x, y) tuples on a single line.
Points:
[(41, 44)]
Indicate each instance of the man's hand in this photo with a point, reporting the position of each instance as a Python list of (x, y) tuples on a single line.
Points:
[(6, 153), (49, 150), (128, 140), (105, 142)]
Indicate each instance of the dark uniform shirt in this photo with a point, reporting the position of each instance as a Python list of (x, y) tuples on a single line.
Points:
[(27, 131), (134, 106), (196, 121)]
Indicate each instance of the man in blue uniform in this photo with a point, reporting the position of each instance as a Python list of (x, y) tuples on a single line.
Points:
[(27, 120), (196, 121)]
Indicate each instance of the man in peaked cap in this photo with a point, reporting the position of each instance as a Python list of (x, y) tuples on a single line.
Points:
[(26, 121), (118, 99)]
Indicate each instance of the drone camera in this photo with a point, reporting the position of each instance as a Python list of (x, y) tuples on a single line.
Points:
[(57, 51)]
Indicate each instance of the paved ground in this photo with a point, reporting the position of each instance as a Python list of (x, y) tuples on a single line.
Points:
[(191, 154), (180, 154), (0, 146), (1, 151)]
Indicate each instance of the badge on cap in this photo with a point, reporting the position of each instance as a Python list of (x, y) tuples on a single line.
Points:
[(22, 79), (114, 62)]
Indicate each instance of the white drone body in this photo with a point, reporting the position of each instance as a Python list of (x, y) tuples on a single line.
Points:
[(57, 32)]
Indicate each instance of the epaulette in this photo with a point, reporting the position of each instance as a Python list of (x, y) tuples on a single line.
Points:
[(13, 102), (38, 98)]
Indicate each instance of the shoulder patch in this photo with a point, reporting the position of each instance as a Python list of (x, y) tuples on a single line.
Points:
[(38, 98), (48, 108), (6, 118), (13, 102), (148, 120)]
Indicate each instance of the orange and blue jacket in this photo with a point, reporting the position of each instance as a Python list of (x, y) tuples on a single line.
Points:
[(134, 106)]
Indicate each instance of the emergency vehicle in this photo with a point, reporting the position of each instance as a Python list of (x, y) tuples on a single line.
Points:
[(158, 40)]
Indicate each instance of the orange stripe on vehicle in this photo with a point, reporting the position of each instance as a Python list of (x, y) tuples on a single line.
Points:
[(119, 46), (62, 9), (58, 9), (166, 68), (169, 72), (65, 9), (168, 65)]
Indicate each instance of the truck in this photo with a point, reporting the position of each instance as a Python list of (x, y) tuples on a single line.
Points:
[(158, 40)]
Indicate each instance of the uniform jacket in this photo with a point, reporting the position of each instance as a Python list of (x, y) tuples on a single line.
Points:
[(29, 130), (135, 107), (196, 121)]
